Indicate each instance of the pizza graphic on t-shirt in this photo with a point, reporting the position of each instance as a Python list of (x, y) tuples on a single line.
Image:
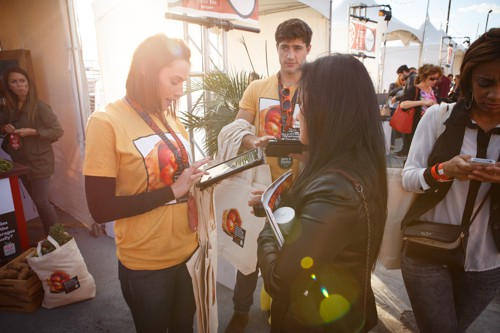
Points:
[(270, 120), (161, 165)]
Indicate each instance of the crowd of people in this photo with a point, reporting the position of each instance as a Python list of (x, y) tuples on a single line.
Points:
[(139, 172), (432, 87)]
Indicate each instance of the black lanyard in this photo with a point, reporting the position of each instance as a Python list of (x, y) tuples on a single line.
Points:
[(181, 157)]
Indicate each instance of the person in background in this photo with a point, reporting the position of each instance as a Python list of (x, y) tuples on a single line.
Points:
[(320, 278), (265, 103), (428, 74), (31, 122), (455, 90), (138, 172), (396, 88), (409, 75), (410, 80), (252, 77), (395, 91), (443, 87), (452, 81), (446, 299)]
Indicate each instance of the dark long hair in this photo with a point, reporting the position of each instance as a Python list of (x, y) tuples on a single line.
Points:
[(344, 129), (484, 49), (12, 100), (153, 54)]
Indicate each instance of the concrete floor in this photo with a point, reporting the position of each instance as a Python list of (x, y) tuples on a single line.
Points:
[(107, 312)]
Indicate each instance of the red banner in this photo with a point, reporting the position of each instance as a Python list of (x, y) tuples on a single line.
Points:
[(449, 55), (362, 37), (241, 10)]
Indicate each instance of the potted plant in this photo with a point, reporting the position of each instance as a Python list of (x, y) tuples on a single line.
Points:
[(217, 106)]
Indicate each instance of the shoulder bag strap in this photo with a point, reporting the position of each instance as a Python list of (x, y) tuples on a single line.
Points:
[(359, 189)]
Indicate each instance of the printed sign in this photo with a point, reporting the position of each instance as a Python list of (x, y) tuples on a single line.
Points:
[(362, 37), (449, 55), (241, 10)]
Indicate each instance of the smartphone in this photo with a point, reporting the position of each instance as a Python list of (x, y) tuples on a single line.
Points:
[(482, 161), (282, 148), (216, 173)]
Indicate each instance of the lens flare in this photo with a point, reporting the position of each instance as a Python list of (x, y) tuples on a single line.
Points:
[(306, 262), (325, 292), (313, 276), (333, 307)]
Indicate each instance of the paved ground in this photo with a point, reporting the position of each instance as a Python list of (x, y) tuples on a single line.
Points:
[(107, 312)]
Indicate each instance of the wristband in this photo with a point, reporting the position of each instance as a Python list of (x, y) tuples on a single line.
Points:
[(441, 174), (437, 173), (434, 173)]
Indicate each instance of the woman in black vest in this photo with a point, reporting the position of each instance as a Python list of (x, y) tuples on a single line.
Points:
[(439, 166)]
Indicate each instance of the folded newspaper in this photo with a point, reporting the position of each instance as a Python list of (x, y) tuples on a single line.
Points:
[(271, 199)]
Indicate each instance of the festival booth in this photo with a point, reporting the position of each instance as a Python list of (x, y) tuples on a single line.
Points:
[(60, 79)]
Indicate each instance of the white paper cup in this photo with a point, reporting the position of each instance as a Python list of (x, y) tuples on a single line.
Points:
[(284, 217)]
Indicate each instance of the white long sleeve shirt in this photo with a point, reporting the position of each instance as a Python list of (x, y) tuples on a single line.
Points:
[(482, 253)]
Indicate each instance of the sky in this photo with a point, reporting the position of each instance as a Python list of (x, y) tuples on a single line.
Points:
[(467, 17)]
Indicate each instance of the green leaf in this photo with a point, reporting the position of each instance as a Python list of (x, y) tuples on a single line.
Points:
[(217, 106)]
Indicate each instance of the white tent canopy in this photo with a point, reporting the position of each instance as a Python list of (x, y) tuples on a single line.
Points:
[(397, 30)]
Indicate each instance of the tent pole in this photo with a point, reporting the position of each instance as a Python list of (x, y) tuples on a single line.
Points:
[(381, 75), (423, 34)]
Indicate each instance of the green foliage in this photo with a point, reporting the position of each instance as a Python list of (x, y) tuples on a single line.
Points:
[(60, 236), (5, 165), (217, 106)]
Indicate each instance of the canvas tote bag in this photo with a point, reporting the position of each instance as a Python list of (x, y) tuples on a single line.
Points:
[(64, 275)]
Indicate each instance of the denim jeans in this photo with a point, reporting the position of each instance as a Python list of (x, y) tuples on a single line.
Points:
[(39, 191), (446, 300), (160, 300), (243, 291)]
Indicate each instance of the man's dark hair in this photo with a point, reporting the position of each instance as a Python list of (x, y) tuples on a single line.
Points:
[(402, 68), (293, 29)]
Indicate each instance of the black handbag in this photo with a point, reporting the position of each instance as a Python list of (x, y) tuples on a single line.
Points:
[(439, 243)]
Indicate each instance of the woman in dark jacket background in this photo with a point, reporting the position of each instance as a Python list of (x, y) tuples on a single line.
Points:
[(320, 279), (420, 96), (32, 122)]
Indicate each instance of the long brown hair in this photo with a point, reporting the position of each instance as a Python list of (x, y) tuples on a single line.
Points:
[(12, 100), (484, 49), (344, 130), (150, 57)]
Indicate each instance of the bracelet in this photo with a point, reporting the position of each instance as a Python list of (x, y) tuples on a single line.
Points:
[(437, 173)]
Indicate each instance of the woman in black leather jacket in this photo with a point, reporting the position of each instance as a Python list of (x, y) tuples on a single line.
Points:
[(320, 279)]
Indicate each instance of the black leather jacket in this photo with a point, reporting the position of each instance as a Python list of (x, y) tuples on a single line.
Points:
[(322, 266)]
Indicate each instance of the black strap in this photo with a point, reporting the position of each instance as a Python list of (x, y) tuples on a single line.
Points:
[(482, 140), (181, 158), (359, 189)]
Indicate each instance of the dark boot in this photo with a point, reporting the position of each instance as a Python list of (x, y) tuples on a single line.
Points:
[(237, 323)]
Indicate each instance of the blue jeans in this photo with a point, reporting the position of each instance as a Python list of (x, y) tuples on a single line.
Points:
[(39, 191), (160, 300), (243, 291), (446, 300)]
